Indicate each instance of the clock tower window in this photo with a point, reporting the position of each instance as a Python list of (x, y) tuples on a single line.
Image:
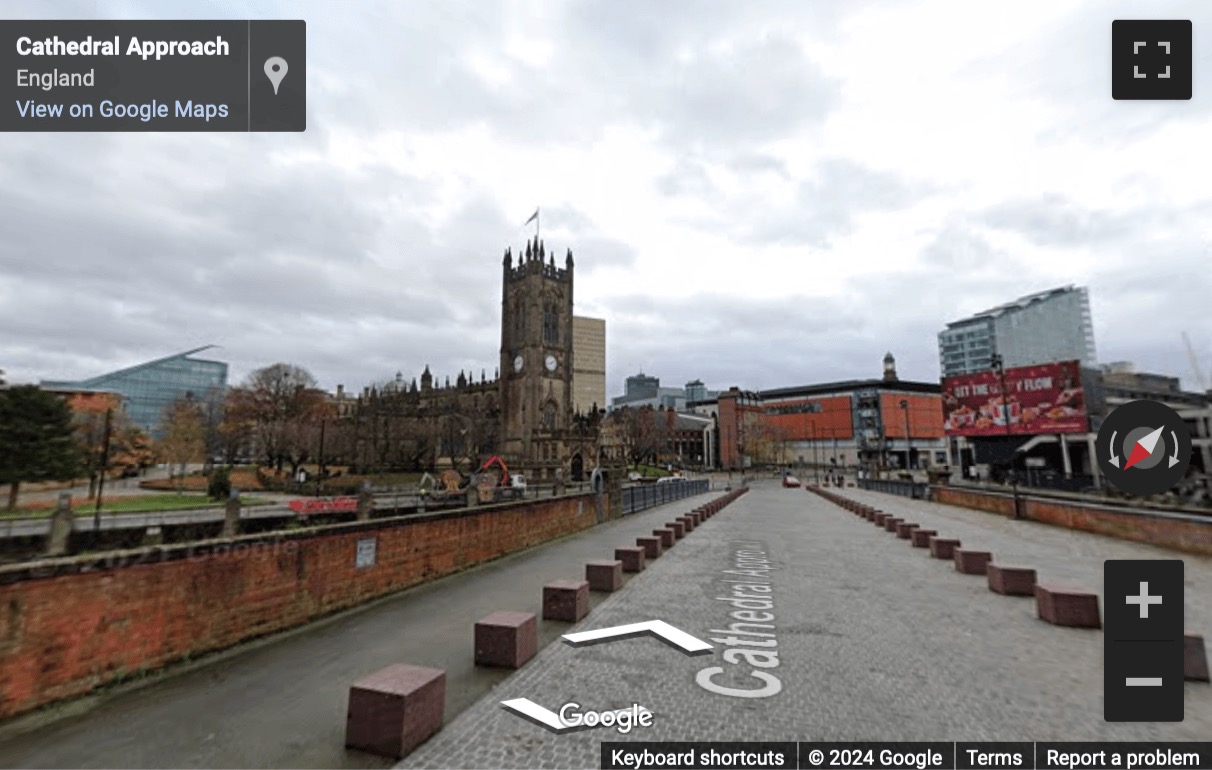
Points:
[(551, 326)]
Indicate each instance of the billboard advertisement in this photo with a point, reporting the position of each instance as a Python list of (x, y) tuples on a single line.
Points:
[(1046, 398)]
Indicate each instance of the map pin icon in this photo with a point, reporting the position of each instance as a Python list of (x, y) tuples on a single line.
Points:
[(275, 70)]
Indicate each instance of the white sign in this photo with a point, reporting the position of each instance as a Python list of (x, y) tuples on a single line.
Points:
[(366, 553), (1036, 462)]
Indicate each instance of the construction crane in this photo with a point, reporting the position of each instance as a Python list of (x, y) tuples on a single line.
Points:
[(1200, 379)]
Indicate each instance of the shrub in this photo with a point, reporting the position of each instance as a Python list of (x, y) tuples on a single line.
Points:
[(219, 487)]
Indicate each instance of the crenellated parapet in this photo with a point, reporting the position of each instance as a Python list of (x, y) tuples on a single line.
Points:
[(536, 260)]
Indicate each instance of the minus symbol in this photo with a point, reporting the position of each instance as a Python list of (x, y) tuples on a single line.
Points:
[(1144, 681)]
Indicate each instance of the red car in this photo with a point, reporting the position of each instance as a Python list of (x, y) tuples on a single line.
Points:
[(790, 481)]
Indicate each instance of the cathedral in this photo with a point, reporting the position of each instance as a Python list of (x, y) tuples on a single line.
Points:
[(526, 413)]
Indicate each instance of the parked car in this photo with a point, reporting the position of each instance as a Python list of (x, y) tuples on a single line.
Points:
[(790, 481)]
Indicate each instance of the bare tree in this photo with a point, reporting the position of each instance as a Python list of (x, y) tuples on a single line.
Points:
[(184, 436), (273, 411)]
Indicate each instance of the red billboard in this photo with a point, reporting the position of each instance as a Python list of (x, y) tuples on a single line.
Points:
[(1047, 398), (323, 505)]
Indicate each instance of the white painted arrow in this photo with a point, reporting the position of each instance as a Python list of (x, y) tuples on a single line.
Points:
[(657, 628), (533, 712), (1174, 457), (1114, 457)]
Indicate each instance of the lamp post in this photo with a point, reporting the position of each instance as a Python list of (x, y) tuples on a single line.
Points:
[(816, 465), (109, 419), (908, 441), (998, 365)]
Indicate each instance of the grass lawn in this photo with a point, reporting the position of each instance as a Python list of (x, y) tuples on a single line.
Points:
[(649, 471), (133, 504)]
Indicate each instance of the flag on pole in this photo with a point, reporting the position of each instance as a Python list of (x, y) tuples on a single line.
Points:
[(533, 217)]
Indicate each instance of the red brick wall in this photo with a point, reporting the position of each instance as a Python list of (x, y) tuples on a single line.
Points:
[(970, 499), (71, 625), (1186, 534)]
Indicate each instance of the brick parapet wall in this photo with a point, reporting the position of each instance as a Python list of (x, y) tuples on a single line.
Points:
[(69, 626), (1184, 532)]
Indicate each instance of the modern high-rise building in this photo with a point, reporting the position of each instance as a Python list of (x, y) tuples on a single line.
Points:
[(641, 385), (588, 363), (1039, 328), (148, 389), (645, 390)]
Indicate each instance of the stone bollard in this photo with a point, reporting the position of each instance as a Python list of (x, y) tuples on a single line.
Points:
[(1195, 659), (62, 522), (231, 514), (366, 502), (393, 711)]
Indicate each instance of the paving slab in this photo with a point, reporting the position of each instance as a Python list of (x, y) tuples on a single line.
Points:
[(875, 641)]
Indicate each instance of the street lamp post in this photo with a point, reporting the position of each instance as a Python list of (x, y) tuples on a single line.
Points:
[(816, 464), (998, 366), (109, 419), (908, 441)]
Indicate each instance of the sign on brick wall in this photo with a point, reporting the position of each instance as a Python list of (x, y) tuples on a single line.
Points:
[(366, 553)]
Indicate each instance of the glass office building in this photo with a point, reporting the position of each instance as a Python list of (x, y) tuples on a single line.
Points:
[(1040, 328), (148, 389)]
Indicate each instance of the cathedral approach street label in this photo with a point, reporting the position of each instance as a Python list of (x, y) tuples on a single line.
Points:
[(100, 76)]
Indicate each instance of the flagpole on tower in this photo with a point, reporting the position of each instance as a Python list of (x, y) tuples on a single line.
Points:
[(534, 218)]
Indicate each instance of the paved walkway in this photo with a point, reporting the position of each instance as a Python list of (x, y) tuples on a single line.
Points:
[(875, 640), (282, 704)]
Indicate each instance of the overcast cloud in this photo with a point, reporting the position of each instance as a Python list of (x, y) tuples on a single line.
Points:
[(761, 194)]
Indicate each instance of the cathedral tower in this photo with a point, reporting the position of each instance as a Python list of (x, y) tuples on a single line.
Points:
[(536, 360)]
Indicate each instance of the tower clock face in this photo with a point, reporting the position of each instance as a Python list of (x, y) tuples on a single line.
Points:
[(551, 363), (518, 362)]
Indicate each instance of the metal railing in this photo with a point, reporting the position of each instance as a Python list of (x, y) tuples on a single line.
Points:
[(917, 490), (640, 498)]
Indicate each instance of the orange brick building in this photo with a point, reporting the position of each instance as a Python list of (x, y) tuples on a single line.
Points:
[(885, 423)]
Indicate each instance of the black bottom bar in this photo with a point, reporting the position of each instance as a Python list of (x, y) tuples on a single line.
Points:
[(910, 755), (716, 756)]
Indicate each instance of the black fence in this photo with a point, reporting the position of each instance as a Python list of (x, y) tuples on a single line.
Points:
[(640, 498), (916, 489), (1042, 479)]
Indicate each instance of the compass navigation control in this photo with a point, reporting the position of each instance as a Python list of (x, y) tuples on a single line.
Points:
[(1143, 448)]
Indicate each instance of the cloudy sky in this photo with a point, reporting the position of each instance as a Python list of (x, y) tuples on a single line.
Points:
[(757, 193)]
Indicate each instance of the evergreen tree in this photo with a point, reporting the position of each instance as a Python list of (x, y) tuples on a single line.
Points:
[(37, 440)]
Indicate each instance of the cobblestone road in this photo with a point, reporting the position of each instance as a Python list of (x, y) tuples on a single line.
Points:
[(875, 640)]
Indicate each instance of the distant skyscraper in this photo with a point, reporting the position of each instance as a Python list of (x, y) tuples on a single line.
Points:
[(1039, 328), (148, 389), (588, 363), (641, 385)]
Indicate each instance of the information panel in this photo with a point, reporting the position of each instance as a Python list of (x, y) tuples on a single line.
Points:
[(153, 75)]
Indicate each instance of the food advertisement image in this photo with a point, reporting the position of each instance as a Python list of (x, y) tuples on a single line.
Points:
[(1046, 398)]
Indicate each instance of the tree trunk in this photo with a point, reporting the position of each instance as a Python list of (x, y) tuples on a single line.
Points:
[(12, 496), (92, 486)]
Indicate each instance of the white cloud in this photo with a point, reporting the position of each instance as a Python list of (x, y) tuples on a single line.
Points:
[(761, 194)]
